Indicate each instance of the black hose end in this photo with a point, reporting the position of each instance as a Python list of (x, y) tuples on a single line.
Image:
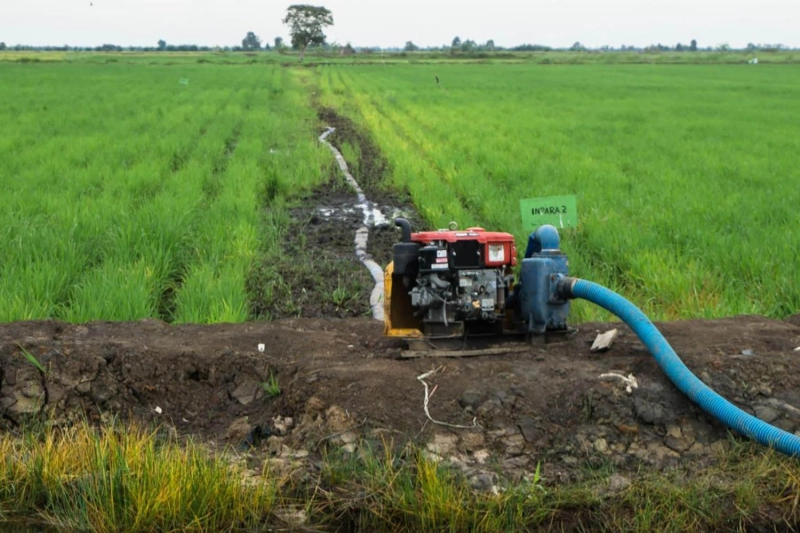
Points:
[(405, 226), (564, 287)]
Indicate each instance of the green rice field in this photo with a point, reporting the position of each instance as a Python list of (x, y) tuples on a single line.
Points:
[(136, 190), (687, 177)]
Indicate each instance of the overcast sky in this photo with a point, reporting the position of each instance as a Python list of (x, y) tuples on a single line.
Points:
[(392, 23)]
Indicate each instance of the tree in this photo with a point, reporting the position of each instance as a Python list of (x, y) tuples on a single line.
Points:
[(2, 46), (410, 47), (278, 43), (306, 23), (251, 42), (468, 45), (693, 46), (489, 45), (679, 47), (456, 42), (162, 45), (577, 47)]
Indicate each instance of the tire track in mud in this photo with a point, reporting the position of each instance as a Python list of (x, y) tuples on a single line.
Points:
[(372, 217)]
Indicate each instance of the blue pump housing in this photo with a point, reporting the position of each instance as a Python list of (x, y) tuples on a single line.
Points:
[(542, 309)]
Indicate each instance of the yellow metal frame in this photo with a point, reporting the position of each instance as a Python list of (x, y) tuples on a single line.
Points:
[(398, 315)]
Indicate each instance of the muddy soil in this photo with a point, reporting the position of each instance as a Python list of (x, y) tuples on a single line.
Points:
[(341, 381), (321, 276)]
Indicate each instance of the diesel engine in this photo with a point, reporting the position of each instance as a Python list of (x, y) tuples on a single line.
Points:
[(456, 280)]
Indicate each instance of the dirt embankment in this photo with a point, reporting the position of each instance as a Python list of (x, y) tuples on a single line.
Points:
[(341, 382)]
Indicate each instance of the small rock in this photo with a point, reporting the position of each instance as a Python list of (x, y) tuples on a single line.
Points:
[(500, 396), (766, 413), (442, 444), (275, 445), (294, 516), (489, 408), (350, 447), (481, 456), (472, 441), (483, 481), (282, 424), (527, 426), (514, 445), (601, 446), (696, 449), (650, 412), (239, 429), (764, 390), (348, 437), (748, 352), (245, 392), (299, 454), (470, 398), (337, 420), (314, 405), (618, 483), (661, 453)]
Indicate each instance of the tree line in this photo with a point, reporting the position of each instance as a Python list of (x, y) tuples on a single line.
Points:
[(307, 23)]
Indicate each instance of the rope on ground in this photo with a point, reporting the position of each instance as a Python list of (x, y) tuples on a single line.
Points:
[(421, 379)]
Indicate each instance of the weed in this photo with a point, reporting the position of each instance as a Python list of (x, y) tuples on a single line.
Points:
[(271, 387), (32, 359)]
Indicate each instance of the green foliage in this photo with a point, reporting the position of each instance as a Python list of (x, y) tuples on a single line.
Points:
[(125, 478), (32, 359), (128, 479), (251, 42), (142, 200), (306, 24), (271, 387)]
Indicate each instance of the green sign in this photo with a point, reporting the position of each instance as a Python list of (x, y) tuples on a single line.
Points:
[(560, 211)]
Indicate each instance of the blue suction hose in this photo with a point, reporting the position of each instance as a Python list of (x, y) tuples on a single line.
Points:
[(711, 402)]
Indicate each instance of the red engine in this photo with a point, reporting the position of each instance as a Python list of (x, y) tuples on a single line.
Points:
[(455, 278)]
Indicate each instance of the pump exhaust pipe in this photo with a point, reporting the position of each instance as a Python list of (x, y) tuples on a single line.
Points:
[(405, 226)]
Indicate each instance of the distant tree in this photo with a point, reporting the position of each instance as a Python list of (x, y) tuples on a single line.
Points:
[(306, 23), (278, 43), (724, 47), (531, 48), (577, 47), (162, 45), (456, 42), (347, 50), (251, 42), (679, 47), (468, 45), (693, 46), (489, 45), (2, 46), (410, 47)]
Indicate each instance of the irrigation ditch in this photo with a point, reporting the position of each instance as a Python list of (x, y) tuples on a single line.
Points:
[(320, 271)]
